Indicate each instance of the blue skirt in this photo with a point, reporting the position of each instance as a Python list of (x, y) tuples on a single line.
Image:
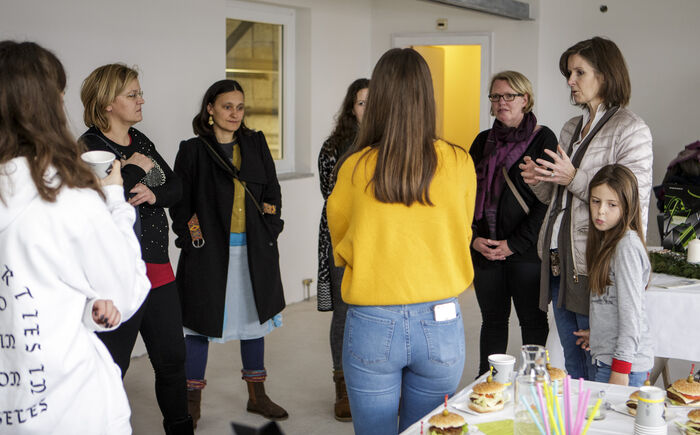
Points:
[(241, 321)]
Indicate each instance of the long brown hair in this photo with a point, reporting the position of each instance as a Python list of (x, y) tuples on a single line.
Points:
[(33, 122), (399, 123), (601, 245), (607, 60), (346, 124)]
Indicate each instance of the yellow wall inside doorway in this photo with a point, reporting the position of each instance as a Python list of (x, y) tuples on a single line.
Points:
[(456, 71)]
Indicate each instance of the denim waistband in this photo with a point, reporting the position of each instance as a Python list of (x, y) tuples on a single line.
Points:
[(237, 239), (417, 309)]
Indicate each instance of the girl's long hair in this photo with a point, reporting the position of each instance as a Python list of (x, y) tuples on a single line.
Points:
[(601, 245), (399, 123), (33, 121), (346, 124)]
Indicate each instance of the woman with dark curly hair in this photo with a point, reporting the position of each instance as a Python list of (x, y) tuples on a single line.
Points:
[(330, 276)]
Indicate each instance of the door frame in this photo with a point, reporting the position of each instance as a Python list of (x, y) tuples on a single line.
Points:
[(484, 39)]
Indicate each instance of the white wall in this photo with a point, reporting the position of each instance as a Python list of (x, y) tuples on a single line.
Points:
[(659, 41), (179, 45)]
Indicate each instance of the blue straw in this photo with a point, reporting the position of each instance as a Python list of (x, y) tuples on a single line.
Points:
[(535, 399), (532, 414)]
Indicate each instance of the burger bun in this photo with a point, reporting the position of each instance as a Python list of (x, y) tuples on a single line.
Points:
[(482, 409)]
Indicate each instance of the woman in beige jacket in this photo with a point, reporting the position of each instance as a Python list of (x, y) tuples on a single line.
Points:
[(607, 132)]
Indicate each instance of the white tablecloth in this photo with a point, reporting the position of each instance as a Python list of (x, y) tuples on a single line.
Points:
[(613, 423), (674, 317)]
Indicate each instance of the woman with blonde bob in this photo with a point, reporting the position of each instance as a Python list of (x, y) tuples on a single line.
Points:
[(507, 217), (400, 220), (69, 261), (113, 100)]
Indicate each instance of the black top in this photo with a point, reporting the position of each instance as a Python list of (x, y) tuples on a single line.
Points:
[(162, 181), (512, 224)]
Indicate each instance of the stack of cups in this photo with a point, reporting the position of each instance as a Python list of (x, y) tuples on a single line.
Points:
[(503, 366), (650, 412)]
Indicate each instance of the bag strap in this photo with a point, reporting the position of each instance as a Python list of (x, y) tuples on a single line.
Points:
[(517, 194), (228, 167), (109, 145)]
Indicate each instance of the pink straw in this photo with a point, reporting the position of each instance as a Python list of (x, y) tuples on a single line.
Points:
[(581, 411), (543, 409), (567, 404)]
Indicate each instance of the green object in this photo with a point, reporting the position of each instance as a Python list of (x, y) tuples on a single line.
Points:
[(500, 427), (672, 263)]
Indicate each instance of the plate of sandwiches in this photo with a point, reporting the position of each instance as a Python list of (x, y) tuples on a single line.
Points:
[(692, 426), (684, 392), (485, 397)]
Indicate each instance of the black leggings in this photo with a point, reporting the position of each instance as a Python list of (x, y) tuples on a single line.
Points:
[(495, 286), (160, 322)]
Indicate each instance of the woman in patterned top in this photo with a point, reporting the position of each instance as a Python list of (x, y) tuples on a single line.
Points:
[(113, 98), (330, 276)]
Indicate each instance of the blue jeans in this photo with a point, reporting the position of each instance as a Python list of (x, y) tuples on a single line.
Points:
[(576, 360), (399, 352), (602, 374)]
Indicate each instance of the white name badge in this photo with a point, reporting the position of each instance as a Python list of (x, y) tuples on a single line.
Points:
[(444, 312)]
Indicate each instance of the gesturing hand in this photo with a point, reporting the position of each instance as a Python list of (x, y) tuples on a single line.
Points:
[(560, 170), (528, 171), (140, 160)]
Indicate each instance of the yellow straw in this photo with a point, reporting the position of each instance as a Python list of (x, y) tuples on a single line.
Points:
[(590, 417), (561, 420), (550, 408)]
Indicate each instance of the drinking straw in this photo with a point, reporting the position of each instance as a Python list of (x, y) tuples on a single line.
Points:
[(542, 404), (550, 408), (567, 404), (534, 399), (581, 411), (532, 414), (556, 405), (590, 417)]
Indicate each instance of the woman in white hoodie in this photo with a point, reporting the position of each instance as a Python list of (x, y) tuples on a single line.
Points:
[(69, 262)]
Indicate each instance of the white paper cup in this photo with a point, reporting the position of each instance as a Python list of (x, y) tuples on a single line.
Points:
[(503, 365), (650, 410), (99, 161)]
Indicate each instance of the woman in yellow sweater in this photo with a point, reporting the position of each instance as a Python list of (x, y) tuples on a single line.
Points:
[(400, 219)]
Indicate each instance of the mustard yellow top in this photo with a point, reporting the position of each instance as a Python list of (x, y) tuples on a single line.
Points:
[(394, 254), (238, 212)]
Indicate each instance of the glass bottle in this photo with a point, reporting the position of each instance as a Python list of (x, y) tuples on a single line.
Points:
[(533, 370)]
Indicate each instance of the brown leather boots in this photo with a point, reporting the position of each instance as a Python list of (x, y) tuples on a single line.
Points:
[(342, 404), (259, 403)]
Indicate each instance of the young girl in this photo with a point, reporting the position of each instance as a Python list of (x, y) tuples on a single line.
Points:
[(618, 272)]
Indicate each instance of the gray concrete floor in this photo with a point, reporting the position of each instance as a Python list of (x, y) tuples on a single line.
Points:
[(298, 360)]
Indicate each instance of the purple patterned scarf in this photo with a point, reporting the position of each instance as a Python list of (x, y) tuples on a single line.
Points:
[(504, 146)]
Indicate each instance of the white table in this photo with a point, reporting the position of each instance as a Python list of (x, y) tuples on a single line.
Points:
[(613, 423)]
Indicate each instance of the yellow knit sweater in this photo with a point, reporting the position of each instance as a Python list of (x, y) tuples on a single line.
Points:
[(394, 254)]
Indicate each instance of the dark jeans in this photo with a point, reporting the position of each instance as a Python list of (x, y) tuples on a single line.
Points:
[(252, 355), (578, 362), (495, 287), (160, 322), (340, 310)]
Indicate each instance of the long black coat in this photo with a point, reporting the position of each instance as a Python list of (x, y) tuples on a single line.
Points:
[(208, 191)]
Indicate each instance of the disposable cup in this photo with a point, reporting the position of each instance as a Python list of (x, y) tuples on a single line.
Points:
[(99, 161), (503, 365), (650, 410)]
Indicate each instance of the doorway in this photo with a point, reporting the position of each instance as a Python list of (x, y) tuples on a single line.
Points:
[(460, 68)]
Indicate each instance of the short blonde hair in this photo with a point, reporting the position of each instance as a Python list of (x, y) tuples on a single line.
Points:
[(519, 83), (100, 89)]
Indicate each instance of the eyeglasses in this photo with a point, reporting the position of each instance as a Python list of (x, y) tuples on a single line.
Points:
[(133, 95), (494, 98)]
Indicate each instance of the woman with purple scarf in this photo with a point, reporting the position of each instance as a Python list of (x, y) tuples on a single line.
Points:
[(507, 217)]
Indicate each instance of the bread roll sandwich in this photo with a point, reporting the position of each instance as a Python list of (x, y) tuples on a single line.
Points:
[(487, 397), (684, 392), (447, 423)]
